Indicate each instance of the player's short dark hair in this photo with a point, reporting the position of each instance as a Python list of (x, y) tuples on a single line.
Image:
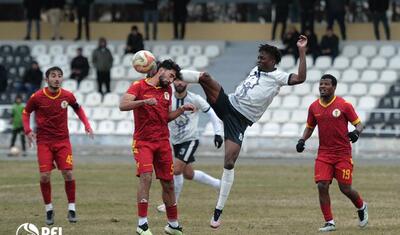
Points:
[(134, 27), (170, 64), (272, 50), (54, 68), (331, 77)]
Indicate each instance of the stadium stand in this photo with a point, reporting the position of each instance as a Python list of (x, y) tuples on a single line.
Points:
[(367, 75)]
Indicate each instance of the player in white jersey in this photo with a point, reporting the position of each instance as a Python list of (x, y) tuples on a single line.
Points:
[(184, 137), (244, 107)]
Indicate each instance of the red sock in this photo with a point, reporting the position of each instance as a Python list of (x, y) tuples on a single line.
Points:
[(142, 209), (172, 212), (358, 202), (70, 190), (46, 192), (326, 210)]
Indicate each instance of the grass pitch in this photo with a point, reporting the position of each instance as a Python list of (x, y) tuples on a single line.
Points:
[(265, 199)]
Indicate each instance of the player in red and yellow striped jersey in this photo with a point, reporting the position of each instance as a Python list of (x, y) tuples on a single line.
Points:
[(332, 114), (50, 105)]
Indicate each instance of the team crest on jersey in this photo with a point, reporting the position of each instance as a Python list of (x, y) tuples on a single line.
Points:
[(64, 104), (166, 95), (248, 84), (336, 113)]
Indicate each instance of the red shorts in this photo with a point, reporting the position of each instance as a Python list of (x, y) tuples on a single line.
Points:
[(339, 168), (59, 153), (149, 154)]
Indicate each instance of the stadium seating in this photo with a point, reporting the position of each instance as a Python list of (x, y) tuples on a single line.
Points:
[(367, 77)]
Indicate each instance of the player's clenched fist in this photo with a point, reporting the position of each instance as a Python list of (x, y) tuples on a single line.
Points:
[(353, 136), (218, 141), (150, 101), (300, 145), (188, 107)]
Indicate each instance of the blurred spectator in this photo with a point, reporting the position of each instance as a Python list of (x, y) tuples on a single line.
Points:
[(150, 8), (395, 10), (79, 67), (32, 79), (134, 42), (3, 79), (378, 10), (336, 10), (307, 14), (330, 44), (312, 44), (290, 40), (83, 12), (281, 15), (16, 121), (180, 14), (55, 11), (294, 11), (32, 10), (103, 60)]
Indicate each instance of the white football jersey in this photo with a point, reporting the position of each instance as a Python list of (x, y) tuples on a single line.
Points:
[(184, 127), (253, 95)]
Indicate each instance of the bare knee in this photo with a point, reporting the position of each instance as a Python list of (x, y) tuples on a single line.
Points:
[(167, 186), (345, 189), (145, 178), (45, 177), (323, 186), (68, 176), (188, 175), (205, 78)]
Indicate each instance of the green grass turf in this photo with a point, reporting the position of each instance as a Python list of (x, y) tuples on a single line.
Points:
[(265, 199)]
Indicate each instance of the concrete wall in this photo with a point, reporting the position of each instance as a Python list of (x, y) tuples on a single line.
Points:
[(195, 31)]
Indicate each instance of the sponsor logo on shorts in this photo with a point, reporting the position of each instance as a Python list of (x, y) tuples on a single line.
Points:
[(31, 229), (64, 104)]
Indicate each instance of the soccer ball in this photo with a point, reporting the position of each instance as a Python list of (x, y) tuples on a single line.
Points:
[(143, 61), (14, 151)]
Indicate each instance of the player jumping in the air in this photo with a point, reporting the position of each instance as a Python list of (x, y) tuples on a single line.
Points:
[(244, 107)]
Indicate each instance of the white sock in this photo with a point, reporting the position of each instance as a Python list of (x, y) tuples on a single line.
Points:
[(49, 207), (71, 206), (142, 220), (331, 222), (190, 76), (173, 223), (363, 206), (204, 178), (226, 185), (178, 184)]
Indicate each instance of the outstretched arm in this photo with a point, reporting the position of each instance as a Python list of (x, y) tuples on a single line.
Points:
[(300, 77)]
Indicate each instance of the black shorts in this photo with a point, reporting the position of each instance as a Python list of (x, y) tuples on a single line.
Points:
[(185, 151), (235, 123)]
